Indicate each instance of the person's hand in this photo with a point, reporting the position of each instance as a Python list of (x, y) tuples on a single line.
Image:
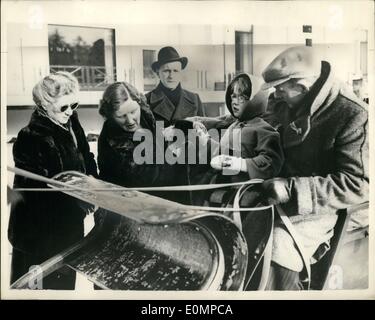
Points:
[(229, 164), (13, 196), (86, 207), (203, 135), (276, 191), (176, 149), (199, 126), (169, 133)]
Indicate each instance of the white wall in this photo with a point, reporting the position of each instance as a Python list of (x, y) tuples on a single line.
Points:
[(27, 60), (276, 26)]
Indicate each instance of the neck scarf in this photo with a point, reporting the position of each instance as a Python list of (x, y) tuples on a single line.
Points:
[(172, 95)]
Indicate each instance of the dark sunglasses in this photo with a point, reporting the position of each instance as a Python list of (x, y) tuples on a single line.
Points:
[(72, 106)]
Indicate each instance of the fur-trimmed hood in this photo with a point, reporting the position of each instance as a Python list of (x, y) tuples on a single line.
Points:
[(258, 100)]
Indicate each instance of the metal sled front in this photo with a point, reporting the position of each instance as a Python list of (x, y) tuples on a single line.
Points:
[(122, 254), (142, 242), (127, 255)]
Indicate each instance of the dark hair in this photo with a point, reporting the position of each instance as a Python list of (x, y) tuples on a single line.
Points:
[(244, 86), (115, 95)]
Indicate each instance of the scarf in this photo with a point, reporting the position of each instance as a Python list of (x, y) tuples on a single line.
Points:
[(172, 95)]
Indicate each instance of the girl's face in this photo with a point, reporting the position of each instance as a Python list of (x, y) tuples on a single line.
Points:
[(238, 101), (128, 116)]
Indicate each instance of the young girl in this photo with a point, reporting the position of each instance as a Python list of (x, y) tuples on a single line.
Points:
[(250, 147)]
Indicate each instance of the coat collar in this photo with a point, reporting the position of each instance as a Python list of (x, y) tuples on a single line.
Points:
[(328, 92), (163, 107), (297, 130)]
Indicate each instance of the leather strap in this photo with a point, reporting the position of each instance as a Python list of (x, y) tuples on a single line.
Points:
[(299, 244), (267, 252), (267, 255), (236, 205)]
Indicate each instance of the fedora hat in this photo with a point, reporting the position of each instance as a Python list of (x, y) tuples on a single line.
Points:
[(295, 62), (168, 54)]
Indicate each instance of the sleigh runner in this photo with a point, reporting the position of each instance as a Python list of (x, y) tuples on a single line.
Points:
[(142, 242)]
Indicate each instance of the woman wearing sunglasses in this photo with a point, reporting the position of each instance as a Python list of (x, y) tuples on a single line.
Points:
[(43, 224)]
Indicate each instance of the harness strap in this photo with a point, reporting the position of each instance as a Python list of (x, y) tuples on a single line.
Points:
[(267, 255), (297, 240), (267, 252)]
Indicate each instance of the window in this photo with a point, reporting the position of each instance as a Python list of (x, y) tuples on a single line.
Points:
[(87, 53)]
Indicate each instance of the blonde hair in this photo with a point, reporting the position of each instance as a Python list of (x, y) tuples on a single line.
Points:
[(55, 85)]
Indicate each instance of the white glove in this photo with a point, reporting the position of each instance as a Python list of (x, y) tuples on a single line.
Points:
[(230, 165)]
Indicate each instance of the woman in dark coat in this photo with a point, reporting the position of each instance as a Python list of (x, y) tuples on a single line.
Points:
[(43, 224), (127, 113)]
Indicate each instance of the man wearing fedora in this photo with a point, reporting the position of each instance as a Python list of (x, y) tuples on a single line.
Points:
[(169, 101), (324, 131)]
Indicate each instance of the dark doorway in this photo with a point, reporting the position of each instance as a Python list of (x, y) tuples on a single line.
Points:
[(244, 51)]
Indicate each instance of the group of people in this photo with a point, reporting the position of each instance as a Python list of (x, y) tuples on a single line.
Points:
[(308, 141)]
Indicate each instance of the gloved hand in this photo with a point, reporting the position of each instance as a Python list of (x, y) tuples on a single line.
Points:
[(229, 164), (276, 191), (86, 207)]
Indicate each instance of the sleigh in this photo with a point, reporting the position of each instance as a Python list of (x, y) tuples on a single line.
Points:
[(142, 242)]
